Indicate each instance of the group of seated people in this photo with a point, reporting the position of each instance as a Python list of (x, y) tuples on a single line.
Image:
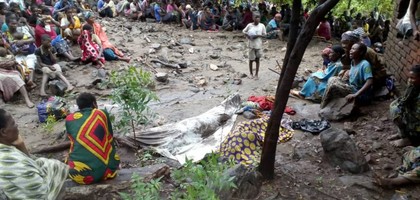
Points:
[(353, 73), (210, 16), (34, 37), (92, 157)]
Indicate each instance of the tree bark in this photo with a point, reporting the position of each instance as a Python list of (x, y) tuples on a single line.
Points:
[(293, 34), (272, 132)]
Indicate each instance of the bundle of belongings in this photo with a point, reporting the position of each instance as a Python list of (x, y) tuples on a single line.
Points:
[(257, 106)]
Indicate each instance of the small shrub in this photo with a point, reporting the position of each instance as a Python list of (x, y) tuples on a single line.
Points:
[(142, 190), (131, 92), (49, 124), (194, 181)]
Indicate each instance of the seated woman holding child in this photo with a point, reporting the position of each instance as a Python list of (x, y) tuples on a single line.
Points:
[(356, 85), (12, 78), (109, 50), (91, 46), (70, 24), (23, 47), (405, 112), (316, 84)]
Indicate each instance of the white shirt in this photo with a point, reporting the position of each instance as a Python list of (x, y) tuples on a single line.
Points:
[(252, 29)]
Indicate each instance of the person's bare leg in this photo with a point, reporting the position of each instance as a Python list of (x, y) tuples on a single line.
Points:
[(392, 182), (30, 82), (125, 59), (24, 93), (43, 83), (257, 63), (250, 68), (403, 142), (69, 85), (394, 136), (70, 56)]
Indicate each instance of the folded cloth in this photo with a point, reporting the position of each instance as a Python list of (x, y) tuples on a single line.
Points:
[(312, 126)]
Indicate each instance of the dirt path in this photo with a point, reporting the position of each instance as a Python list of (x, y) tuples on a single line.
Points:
[(301, 171)]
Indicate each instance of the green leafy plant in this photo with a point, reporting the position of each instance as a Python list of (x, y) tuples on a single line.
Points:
[(132, 93), (49, 124), (202, 180), (193, 181), (143, 190), (144, 157)]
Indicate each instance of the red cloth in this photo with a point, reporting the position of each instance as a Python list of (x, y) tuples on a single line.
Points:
[(247, 18), (90, 50), (268, 103), (262, 101), (324, 30), (39, 31)]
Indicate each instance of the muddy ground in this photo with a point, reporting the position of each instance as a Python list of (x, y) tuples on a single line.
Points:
[(301, 170)]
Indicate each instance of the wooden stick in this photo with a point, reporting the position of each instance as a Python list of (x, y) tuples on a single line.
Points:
[(151, 67), (165, 63), (52, 149), (274, 71)]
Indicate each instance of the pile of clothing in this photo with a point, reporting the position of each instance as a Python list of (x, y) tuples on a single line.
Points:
[(258, 106)]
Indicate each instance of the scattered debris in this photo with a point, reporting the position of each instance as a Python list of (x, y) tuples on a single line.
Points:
[(213, 67), (161, 77), (155, 46)]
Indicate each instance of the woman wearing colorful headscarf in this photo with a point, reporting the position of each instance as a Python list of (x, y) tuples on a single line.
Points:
[(109, 50)]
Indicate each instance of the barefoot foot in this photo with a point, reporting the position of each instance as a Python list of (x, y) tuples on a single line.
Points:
[(401, 142), (297, 94), (394, 137), (30, 104), (70, 88)]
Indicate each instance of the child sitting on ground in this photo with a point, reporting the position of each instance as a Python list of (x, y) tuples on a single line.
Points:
[(91, 47), (47, 60)]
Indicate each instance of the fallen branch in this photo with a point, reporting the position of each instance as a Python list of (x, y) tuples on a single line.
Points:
[(66, 145), (128, 142), (151, 67), (166, 64), (52, 149), (274, 71)]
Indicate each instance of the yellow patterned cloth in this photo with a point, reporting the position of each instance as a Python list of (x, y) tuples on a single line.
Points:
[(244, 143)]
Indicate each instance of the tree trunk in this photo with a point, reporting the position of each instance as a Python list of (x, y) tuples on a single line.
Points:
[(272, 132), (293, 34), (349, 5)]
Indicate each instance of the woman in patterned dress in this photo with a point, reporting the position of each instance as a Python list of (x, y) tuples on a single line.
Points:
[(22, 177)]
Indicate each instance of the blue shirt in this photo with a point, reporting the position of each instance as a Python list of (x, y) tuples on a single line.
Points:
[(359, 74), (157, 12), (272, 25)]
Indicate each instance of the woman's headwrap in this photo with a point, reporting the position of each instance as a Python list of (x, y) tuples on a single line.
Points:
[(88, 15), (338, 49), (326, 51), (350, 36)]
